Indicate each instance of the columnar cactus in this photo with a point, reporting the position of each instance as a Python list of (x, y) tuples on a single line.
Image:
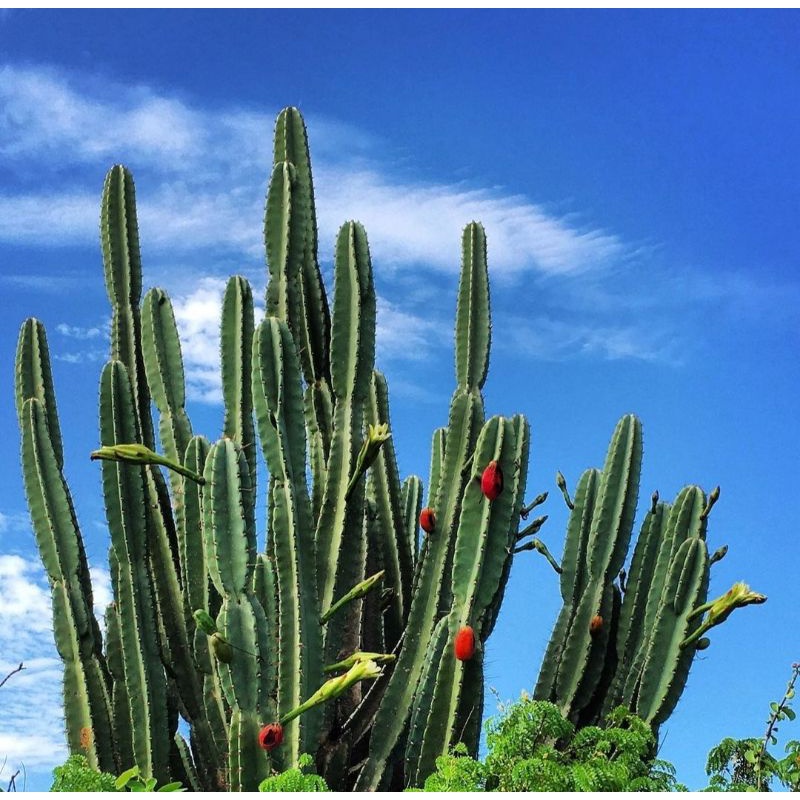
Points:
[(345, 637), (629, 639), (338, 638)]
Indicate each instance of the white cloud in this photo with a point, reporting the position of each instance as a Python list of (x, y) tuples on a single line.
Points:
[(203, 178), (32, 734)]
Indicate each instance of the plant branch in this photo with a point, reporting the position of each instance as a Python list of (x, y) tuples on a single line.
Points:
[(13, 672)]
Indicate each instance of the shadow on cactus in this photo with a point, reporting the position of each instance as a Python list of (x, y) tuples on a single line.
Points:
[(338, 637)]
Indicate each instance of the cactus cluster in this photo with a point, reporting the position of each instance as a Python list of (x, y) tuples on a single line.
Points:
[(630, 638), (339, 632), (341, 636)]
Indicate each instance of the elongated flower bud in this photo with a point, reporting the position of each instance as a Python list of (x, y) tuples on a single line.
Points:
[(271, 736), (464, 644), (141, 455), (492, 480), (427, 520), (205, 622)]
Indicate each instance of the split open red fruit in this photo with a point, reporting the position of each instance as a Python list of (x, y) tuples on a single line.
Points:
[(596, 625), (271, 736)]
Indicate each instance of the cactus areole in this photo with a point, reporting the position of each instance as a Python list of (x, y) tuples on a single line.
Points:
[(427, 520), (271, 736), (492, 481), (464, 645)]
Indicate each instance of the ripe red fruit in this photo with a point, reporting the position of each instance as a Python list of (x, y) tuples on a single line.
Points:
[(271, 736), (464, 644), (596, 625), (492, 480), (427, 520)]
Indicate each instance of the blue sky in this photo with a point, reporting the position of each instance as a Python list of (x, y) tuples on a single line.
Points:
[(638, 178)]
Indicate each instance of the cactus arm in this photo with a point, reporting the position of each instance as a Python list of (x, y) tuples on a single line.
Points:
[(473, 323), (313, 329), (236, 350), (125, 492), (230, 550), (34, 378), (119, 238), (411, 503), (631, 630), (87, 700), (573, 561), (279, 414), (396, 553), (666, 664), (341, 545)]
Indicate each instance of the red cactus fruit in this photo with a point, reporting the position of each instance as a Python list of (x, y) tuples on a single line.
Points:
[(596, 625), (427, 520), (464, 644), (271, 736), (492, 480)]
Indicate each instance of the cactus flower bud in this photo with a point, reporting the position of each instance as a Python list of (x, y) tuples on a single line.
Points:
[(427, 520), (141, 455), (271, 736), (205, 622), (703, 643), (492, 480), (596, 625), (464, 644)]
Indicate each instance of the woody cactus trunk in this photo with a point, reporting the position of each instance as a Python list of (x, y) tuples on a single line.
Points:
[(337, 637)]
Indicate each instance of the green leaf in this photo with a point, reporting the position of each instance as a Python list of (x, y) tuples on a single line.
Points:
[(789, 713)]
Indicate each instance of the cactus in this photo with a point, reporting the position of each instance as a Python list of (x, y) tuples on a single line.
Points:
[(629, 642), (347, 637), (337, 639)]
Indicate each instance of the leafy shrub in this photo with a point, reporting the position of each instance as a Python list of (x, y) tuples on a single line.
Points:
[(533, 748), (742, 765), (295, 780), (75, 775)]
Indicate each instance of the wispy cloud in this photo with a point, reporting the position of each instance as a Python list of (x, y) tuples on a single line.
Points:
[(201, 177), (69, 121)]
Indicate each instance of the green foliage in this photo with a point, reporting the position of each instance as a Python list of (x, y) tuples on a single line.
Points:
[(75, 775), (132, 780), (533, 748), (746, 765), (295, 779)]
